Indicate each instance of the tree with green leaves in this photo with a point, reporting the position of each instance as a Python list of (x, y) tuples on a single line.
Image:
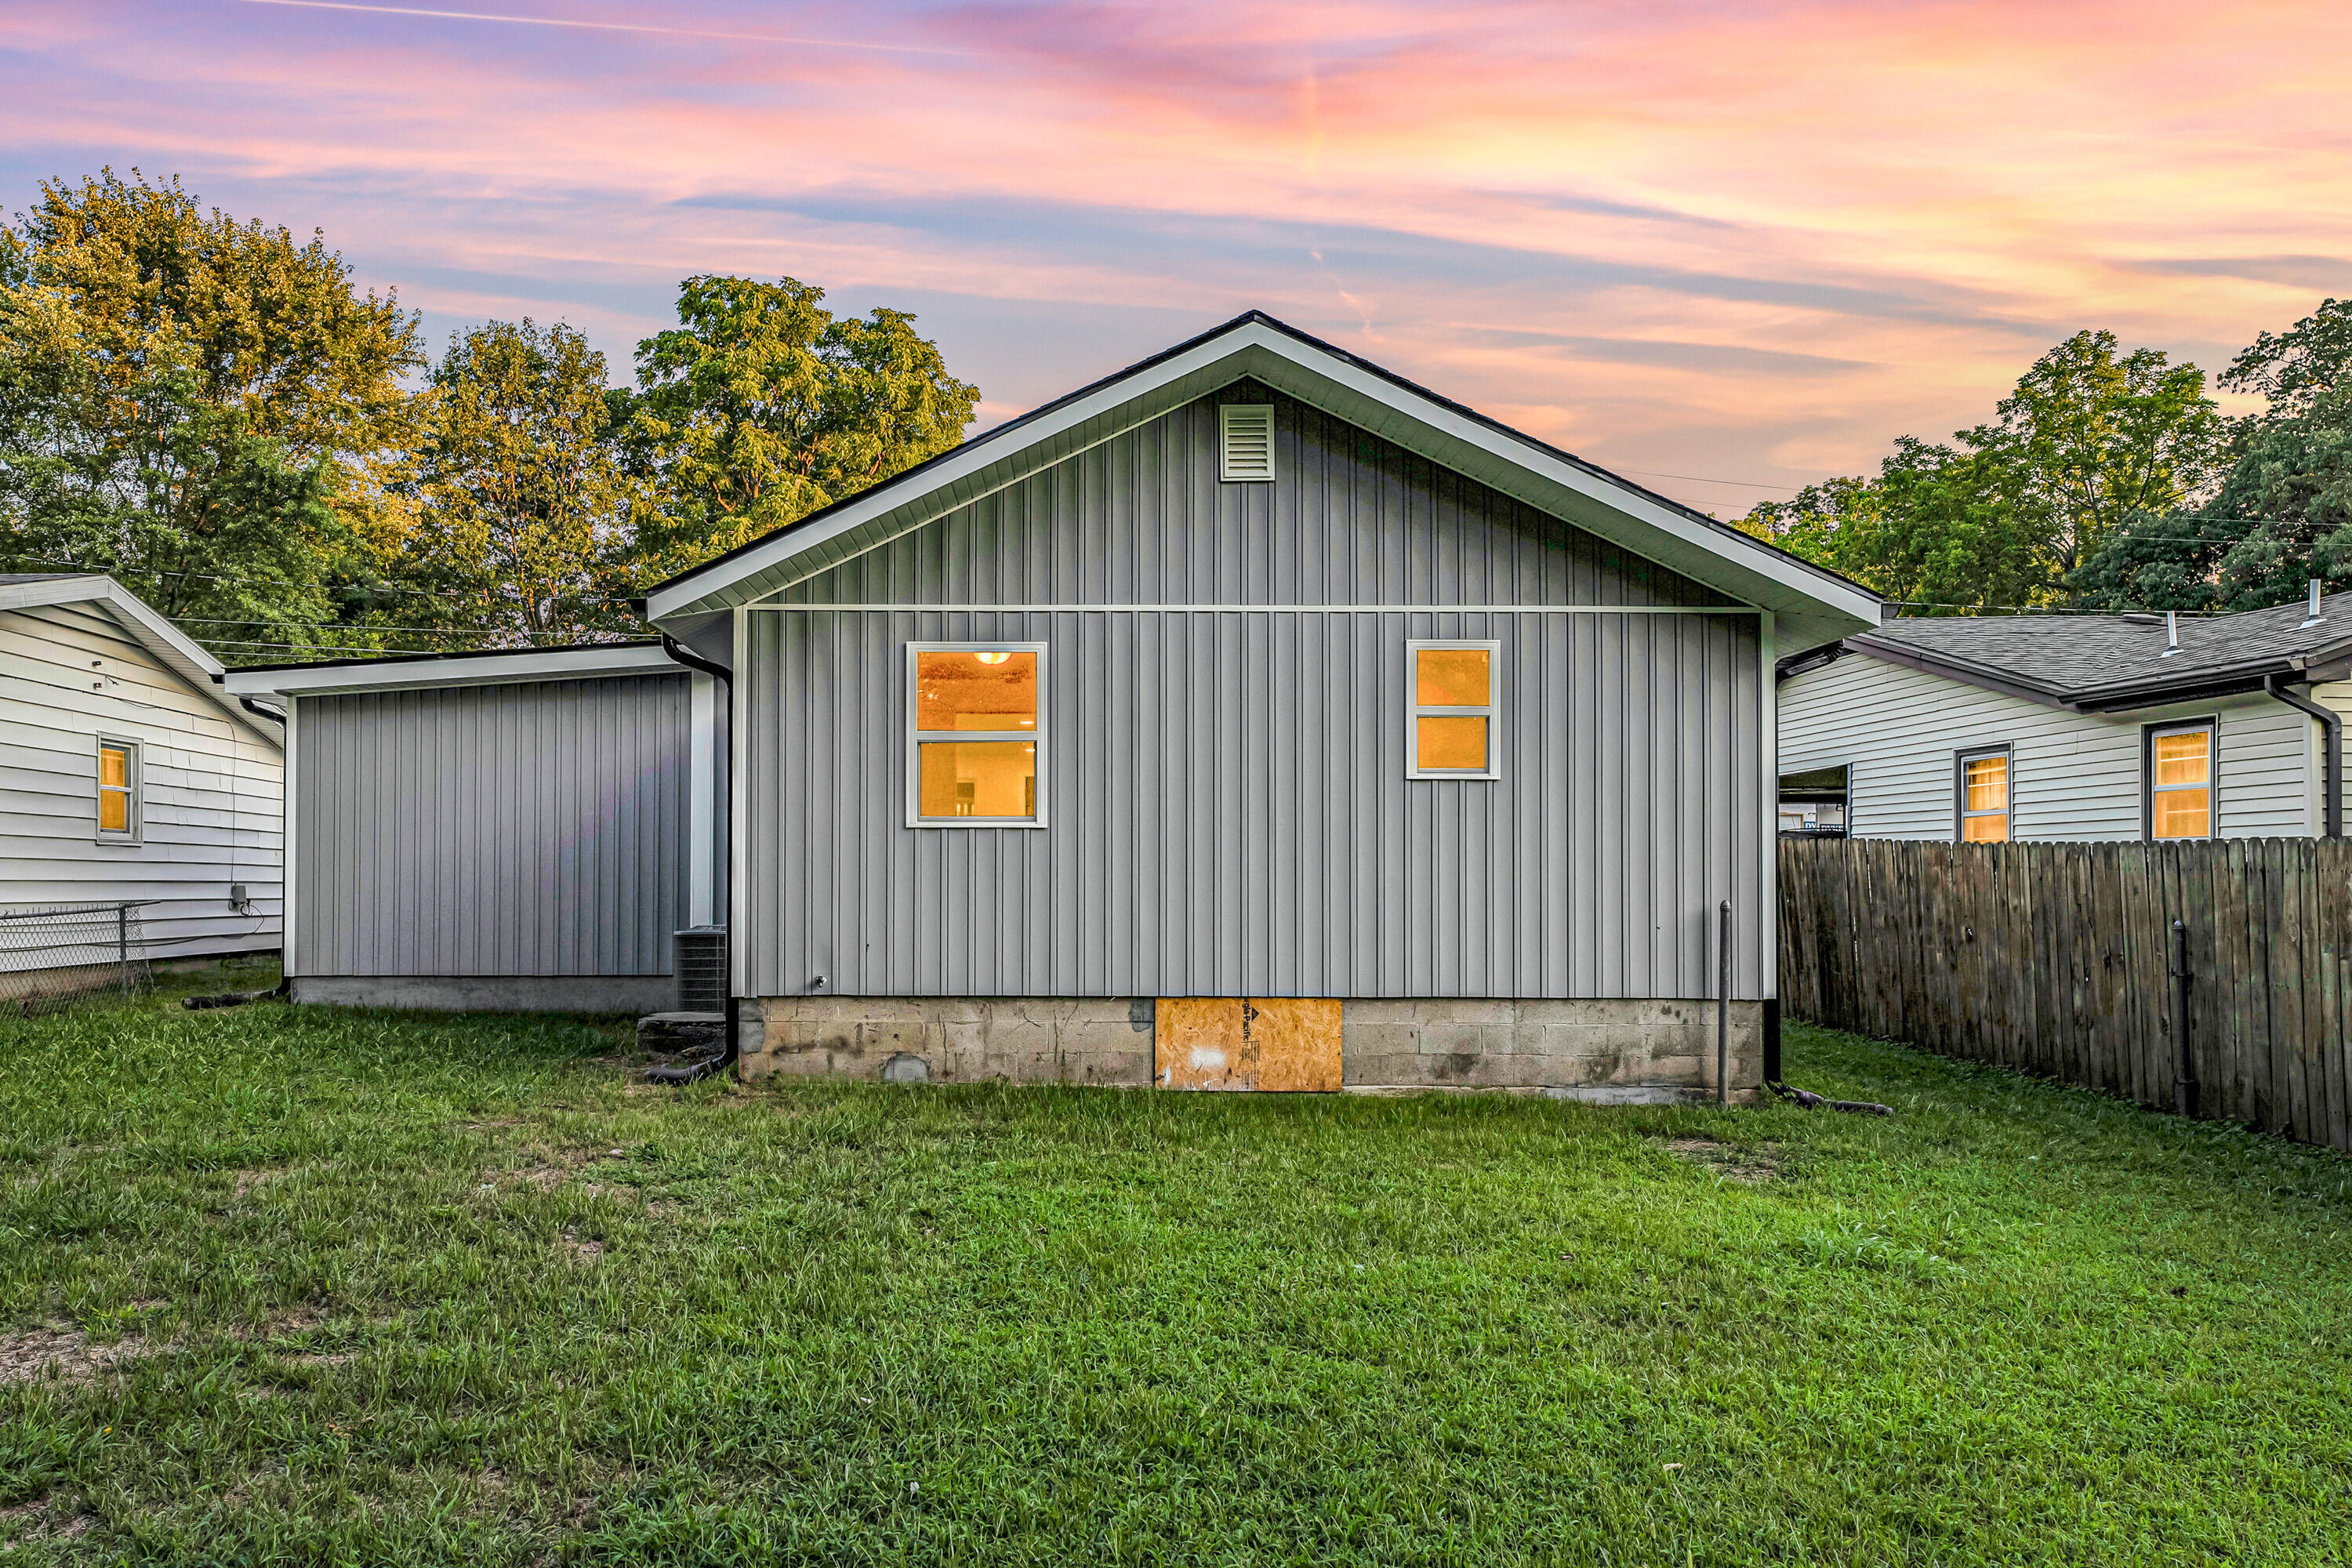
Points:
[(524, 504), (2088, 440), (761, 406), (2283, 511), (208, 410)]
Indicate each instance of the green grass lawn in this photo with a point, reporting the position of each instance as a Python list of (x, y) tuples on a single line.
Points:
[(287, 1285)]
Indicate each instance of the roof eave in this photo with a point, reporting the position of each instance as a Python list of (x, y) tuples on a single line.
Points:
[(434, 672), (169, 647)]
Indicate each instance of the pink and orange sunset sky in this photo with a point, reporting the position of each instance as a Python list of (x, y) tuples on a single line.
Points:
[(1745, 245)]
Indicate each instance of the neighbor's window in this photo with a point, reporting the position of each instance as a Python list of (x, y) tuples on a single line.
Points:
[(2180, 781), (118, 789), (1984, 797), (975, 734), (1454, 727)]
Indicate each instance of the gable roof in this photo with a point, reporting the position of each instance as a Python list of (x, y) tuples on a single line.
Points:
[(2101, 663), (171, 647), (1814, 605)]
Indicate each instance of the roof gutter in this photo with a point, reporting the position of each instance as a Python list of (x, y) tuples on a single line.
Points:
[(2331, 728), (260, 710), (1809, 659), (731, 1047)]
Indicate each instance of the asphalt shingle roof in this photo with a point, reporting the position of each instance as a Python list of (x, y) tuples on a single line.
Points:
[(2094, 659)]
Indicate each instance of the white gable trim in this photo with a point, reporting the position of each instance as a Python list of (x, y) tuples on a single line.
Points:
[(465, 669), (1610, 508), (171, 647)]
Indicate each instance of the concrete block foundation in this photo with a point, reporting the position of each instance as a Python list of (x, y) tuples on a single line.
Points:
[(1607, 1051)]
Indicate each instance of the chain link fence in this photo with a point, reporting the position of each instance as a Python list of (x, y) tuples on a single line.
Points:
[(52, 958)]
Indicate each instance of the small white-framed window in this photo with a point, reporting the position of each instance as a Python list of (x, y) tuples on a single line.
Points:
[(2180, 780), (976, 734), (1983, 792), (1454, 708), (118, 799)]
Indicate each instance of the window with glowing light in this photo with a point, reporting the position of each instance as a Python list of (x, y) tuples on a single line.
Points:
[(975, 734), (1454, 704), (1984, 796), (2180, 781), (118, 791)]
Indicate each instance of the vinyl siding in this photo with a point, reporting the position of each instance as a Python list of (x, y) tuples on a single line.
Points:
[(209, 799), (539, 828), (1228, 813), (2075, 776)]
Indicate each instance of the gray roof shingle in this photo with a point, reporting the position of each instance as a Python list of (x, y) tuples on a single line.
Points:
[(2102, 660)]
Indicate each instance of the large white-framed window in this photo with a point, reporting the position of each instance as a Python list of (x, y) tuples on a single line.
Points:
[(119, 791), (1981, 796), (976, 734), (2179, 771), (1454, 708)]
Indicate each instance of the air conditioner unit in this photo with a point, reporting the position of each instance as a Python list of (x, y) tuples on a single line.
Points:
[(698, 969)]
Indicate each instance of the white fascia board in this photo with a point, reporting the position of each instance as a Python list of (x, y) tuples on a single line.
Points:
[(1758, 574), (171, 647), (433, 674)]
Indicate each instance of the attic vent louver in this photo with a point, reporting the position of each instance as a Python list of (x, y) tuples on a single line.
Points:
[(1246, 452)]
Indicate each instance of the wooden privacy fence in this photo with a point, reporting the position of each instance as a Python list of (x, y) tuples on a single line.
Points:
[(2055, 959)]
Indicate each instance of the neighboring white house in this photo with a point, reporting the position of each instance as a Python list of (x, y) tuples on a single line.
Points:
[(128, 774), (2074, 727)]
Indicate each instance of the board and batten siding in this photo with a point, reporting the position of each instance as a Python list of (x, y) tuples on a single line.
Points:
[(537, 829), (1227, 808), (209, 797), (2075, 776)]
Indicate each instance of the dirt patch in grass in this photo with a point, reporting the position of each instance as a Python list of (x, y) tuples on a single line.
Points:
[(550, 1168), (1753, 1166), (27, 1355), (582, 1248), (257, 1176), (39, 1521)]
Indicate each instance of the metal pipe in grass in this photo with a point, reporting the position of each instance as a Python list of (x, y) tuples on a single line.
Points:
[(695, 1071), (2184, 1065), (1723, 1004)]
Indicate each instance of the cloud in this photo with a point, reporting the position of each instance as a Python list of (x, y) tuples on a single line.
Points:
[(1747, 242), (2328, 274)]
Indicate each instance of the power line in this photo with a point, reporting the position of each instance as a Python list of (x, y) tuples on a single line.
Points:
[(1703, 479), (282, 583), (2046, 609), (320, 647), (329, 625)]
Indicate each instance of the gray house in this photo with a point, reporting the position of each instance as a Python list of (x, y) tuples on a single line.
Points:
[(1251, 718), (2074, 727), (1254, 718)]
